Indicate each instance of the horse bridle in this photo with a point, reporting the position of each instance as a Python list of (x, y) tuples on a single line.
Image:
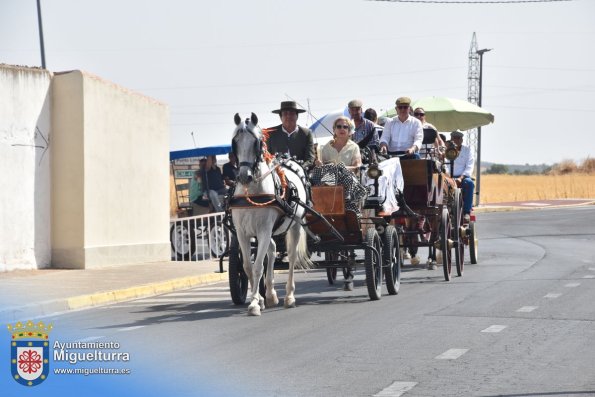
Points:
[(257, 148)]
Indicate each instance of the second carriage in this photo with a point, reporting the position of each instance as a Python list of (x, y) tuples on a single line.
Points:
[(433, 215)]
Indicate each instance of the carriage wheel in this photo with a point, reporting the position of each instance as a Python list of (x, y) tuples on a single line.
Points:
[(444, 237), (262, 288), (392, 260), (331, 272), (238, 279), (459, 245), (331, 275), (373, 264), (240, 291), (473, 243), (218, 240), (182, 239)]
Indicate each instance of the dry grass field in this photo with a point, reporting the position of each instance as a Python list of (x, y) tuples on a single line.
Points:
[(503, 188)]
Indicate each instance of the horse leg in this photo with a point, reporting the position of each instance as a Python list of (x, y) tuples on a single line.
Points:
[(292, 242), (257, 301), (271, 294)]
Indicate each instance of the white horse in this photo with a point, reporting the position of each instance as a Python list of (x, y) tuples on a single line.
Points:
[(256, 214)]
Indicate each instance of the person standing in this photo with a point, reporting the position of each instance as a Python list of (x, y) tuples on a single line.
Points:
[(403, 134), (365, 133), (289, 137), (463, 169)]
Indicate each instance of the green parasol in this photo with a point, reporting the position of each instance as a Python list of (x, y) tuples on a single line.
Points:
[(448, 114)]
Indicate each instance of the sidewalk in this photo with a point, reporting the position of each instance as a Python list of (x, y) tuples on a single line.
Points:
[(26, 294)]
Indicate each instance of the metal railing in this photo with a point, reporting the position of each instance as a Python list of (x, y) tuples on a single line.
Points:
[(198, 238)]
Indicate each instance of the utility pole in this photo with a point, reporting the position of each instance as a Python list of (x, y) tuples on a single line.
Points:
[(40, 35), (480, 53), (474, 96)]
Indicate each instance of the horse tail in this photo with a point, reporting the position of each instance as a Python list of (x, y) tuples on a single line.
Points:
[(298, 238)]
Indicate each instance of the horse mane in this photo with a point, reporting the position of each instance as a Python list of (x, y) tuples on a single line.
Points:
[(268, 157)]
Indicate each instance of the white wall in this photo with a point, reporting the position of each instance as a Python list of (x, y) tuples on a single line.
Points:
[(110, 176), (24, 168), (98, 193)]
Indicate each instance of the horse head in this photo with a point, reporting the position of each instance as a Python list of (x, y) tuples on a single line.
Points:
[(246, 144)]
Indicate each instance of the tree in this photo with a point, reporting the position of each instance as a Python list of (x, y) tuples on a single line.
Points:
[(497, 169)]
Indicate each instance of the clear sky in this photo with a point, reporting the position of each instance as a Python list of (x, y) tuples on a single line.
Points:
[(210, 59)]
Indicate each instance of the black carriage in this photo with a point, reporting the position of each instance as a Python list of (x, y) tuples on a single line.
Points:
[(340, 238), (352, 232)]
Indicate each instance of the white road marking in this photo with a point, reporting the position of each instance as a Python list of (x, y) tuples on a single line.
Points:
[(589, 276), (553, 295), (494, 328), (527, 309), (537, 204), (396, 389), (131, 328), (572, 285), (591, 268), (451, 354)]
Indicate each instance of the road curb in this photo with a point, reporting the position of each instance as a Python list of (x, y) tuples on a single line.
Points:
[(142, 291), (508, 208)]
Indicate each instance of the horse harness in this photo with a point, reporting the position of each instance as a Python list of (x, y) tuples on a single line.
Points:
[(285, 199)]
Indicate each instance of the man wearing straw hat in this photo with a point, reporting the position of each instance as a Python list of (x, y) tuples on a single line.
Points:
[(291, 138)]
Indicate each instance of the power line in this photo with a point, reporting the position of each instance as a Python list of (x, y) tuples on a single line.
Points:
[(472, 1)]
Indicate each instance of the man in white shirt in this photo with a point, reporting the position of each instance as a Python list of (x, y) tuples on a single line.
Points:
[(463, 169), (403, 134)]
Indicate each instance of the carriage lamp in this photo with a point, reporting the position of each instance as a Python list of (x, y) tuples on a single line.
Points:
[(373, 171), (451, 152)]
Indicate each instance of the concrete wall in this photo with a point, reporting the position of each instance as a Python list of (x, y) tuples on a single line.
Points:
[(24, 168), (110, 182), (84, 171)]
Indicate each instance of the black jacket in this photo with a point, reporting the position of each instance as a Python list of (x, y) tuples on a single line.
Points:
[(299, 144)]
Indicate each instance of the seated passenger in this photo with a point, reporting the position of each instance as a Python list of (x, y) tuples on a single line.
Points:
[(438, 144), (463, 169), (196, 194), (364, 132), (403, 133), (213, 182), (341, 149)]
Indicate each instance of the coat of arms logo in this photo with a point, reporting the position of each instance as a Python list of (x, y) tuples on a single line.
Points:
[(29, 352)]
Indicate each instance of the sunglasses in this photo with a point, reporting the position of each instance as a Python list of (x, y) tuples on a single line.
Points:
[(419, 114), (403, 107), (340, 126)]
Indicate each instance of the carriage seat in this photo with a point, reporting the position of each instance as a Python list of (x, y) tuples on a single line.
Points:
[(423, 183), (329, 201), (430, 135), (428, 150)]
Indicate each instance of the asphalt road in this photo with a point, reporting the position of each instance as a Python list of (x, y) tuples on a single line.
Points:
[(519, 323)]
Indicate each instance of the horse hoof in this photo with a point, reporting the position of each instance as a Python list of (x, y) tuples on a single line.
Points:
[(254, 310), (272, 301), (261, 303), (289, 303)]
